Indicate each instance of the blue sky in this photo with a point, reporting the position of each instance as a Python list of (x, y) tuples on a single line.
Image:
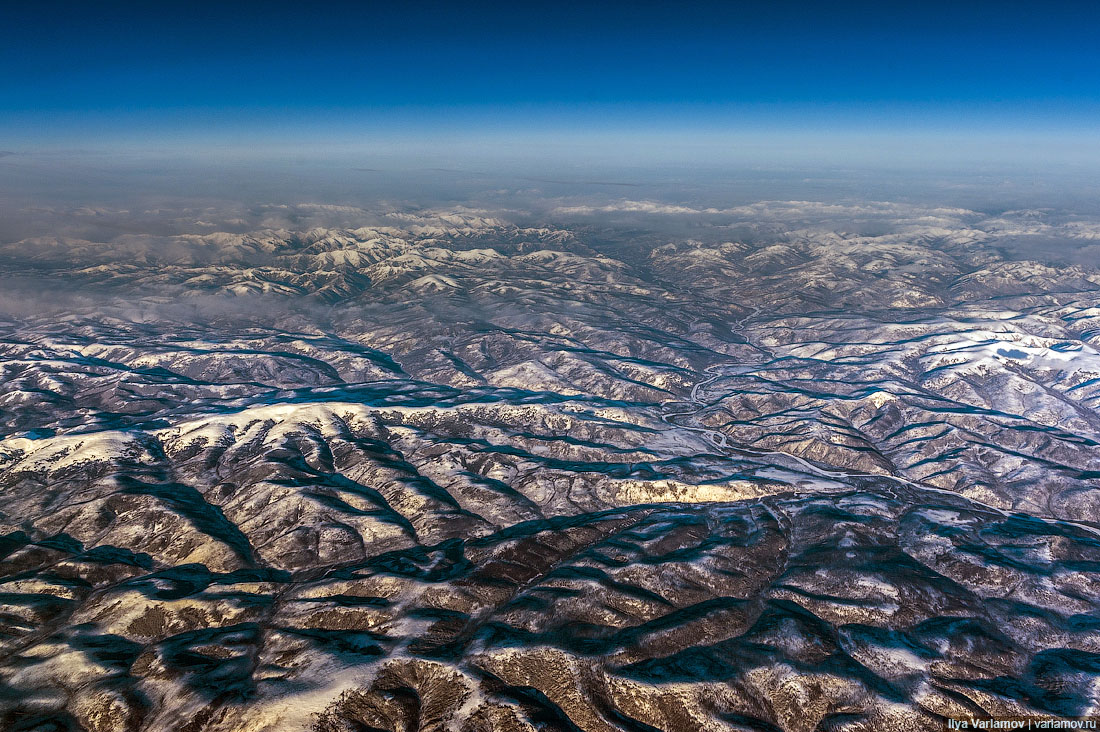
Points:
[(85, 73)]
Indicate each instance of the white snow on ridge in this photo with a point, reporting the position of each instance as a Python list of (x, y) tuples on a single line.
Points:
[(991, 350), (64, 451)]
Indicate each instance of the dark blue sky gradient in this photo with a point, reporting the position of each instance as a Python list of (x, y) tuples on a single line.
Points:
[(97, 69)]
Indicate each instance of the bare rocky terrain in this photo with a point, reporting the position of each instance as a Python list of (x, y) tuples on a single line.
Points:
[(805, 467)]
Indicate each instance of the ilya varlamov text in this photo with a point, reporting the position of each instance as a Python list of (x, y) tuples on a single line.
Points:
[(1023, 723)]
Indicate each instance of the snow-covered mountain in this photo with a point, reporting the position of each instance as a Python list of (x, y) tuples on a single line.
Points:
[(447, 471)]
